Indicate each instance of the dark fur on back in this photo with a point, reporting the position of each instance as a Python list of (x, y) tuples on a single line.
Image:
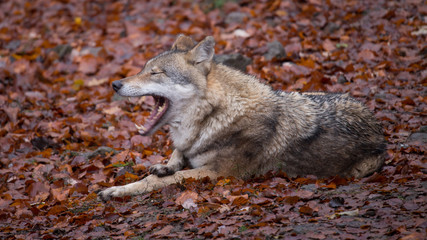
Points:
[(346, 133)]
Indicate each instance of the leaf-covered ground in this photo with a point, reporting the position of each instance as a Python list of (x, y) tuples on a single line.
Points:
[(64, 134)]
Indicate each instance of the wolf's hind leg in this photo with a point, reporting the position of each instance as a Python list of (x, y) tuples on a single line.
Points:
[(153, 182), (366, 166), (175, 163)]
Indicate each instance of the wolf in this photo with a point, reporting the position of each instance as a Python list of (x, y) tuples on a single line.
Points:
[(224, 122)]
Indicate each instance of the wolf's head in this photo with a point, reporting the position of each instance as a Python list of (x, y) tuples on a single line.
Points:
[(174, 78)]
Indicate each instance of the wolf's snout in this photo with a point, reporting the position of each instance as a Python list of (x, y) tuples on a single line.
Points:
[(117, 85)]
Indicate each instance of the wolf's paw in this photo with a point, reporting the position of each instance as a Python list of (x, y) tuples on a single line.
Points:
[(108, 193), (161, 170)]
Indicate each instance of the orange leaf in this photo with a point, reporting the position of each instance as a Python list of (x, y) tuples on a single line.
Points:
[(55, 210), (292, 199), (306, 210), (120, 157), (185, 196), (331, 185), (131, 176), (307, 63), (239, 201), (88, 64), (60, 194)]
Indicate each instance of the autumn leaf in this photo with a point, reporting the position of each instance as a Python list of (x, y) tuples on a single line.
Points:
[(56, 210), (306, 210), (187, 199)]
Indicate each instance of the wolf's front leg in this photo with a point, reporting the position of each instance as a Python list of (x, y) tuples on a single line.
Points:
[(175, 163), (154, 182)]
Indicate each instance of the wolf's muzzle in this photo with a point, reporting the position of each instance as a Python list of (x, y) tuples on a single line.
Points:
[(117, 85)]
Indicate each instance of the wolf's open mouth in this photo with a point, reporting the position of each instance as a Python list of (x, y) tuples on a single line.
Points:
[(160, 108)]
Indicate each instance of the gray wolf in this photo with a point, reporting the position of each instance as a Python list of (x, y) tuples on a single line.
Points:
[(224, 122)]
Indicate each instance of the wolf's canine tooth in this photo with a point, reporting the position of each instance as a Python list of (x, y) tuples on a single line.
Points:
[(140, 127)]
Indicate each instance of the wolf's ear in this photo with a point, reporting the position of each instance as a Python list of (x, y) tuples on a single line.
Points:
[(203, 51), (183, 43)]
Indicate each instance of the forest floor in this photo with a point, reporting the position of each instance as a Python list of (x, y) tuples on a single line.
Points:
[(65, 135)]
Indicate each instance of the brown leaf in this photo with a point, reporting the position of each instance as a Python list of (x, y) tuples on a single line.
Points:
[(313, 235), (260, 201), (140, 140), (240, 200), (113, 111), (292, 200), (164, 231), (185, 196), (80, 188), (56, 210), (331, 185), (413, 236), (306, 210), (88, 64), (328, 45), (365, 55), (12, 113), (303, 194), (35, 188), (120, 157), (60, 194), (307, 63), (96, 82)]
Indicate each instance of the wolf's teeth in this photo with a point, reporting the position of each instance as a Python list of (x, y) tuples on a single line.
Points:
[(140, 127)]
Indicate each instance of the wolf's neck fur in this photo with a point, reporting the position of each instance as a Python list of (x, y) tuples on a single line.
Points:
[(228, 98)]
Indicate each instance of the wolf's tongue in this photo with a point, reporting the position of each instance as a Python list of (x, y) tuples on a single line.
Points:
[(160, 107)]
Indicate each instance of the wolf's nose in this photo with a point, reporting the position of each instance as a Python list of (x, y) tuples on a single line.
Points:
[(117, 85)]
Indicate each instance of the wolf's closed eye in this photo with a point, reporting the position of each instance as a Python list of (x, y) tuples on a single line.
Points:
[(156, 72)]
